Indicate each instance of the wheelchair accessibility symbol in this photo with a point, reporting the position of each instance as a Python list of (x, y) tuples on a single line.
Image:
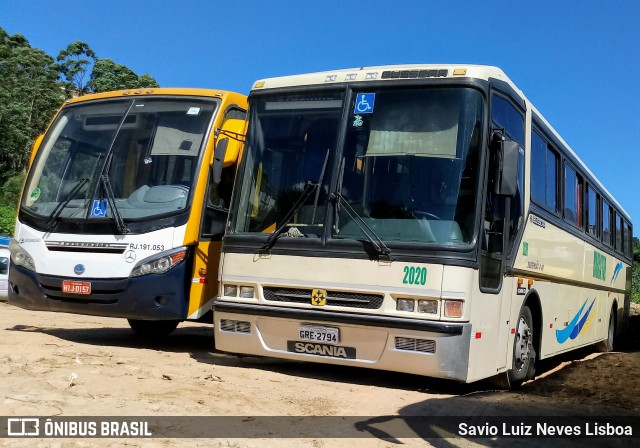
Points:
[(99, 208), (364, 103)]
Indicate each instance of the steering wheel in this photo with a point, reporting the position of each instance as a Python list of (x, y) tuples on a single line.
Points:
[(425, 215)]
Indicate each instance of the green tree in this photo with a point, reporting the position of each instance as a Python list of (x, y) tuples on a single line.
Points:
[(29, 95), (75, 62), (7, 219), (32, 88), (107, 75), (12, 189)]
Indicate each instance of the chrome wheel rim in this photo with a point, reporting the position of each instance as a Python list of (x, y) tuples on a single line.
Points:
[(522, 351)]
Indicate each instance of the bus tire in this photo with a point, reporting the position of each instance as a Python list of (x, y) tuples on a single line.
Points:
[(524, 352), (153, 328), (607, 345)]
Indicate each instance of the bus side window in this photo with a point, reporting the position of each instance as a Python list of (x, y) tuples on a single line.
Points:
[(503, 216), (572, 196), (607, 231)]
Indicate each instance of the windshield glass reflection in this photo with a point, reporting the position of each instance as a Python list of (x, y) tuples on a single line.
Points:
[(148, 149), (410, 167)]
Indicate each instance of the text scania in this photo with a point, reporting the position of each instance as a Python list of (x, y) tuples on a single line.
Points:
[(325, 350)]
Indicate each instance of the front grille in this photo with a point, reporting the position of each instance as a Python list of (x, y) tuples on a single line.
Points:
[(334, 298), (235, 326), (99, 248), (416, 345)]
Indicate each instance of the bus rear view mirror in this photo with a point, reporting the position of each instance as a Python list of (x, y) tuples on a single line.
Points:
[(505, 168), (218, 159)]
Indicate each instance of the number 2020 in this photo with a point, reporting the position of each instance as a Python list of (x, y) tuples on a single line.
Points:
[(414, 276)]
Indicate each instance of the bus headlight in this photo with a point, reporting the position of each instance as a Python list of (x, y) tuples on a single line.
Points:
[(428, 306), (246, 292), (21, 257), (405, 305), (230, 290), (159, 263)]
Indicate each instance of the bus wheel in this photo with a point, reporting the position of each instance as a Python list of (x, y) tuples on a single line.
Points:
[(607, 344), (524, 353), (153, 328)]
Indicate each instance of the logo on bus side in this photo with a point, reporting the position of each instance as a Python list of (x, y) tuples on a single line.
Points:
[(319, 297), (537, 221), (599, 266), (577, 324), (616, 272)]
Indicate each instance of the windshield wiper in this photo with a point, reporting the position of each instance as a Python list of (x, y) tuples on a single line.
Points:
[(106, 183), (104, 175), (308, 189), (371, 235), (57, 211)]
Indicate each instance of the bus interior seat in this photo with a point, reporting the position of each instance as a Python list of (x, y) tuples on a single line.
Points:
[(159, 196), (446, 231)]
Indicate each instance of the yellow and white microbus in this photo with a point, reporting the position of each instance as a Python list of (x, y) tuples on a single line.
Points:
[(422, 219), (125, 204)]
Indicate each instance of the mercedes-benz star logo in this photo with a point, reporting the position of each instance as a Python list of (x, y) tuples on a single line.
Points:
[(78, 269), (129, 256)]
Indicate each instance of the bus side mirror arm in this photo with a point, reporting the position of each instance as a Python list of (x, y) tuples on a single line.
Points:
[(218, 160), (505, 166)]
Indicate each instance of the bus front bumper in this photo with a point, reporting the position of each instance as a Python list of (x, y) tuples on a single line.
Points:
[(150, 297), (422, 347)]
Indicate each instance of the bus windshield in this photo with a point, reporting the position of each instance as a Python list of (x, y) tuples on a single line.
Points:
[(408, 164), (136, 157)]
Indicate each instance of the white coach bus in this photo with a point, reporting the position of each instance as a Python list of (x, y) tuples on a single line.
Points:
[(420, 219)]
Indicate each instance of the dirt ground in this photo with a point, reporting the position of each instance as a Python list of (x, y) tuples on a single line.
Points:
[(72, 365)]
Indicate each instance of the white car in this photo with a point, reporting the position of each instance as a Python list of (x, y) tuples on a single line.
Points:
[(4, 272)]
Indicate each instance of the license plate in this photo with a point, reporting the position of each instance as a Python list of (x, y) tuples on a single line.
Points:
[(328, 335), (73, 287)]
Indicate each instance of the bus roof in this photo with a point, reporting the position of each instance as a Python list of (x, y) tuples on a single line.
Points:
[(385, 72), (423, 71), (155, 91)]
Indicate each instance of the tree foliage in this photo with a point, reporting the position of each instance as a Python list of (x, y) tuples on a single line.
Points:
[(107, 75), (75, 60), (7, 219), (33, 86), (29, 94)]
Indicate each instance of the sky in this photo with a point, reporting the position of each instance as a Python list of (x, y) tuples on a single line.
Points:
[(578, 62)]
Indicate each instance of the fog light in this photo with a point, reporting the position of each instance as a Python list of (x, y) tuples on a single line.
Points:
[(428, 306), (453, 308), (246, 292), (405, 304), (230, 290)]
